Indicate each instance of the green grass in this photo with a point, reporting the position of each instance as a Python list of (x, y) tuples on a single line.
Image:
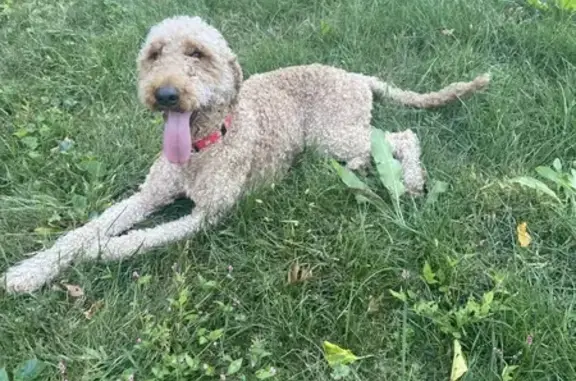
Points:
[(67, 70)]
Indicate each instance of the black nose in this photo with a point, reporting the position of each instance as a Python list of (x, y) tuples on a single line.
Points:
[(167, 96)]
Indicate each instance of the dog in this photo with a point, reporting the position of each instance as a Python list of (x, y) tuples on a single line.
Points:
[(224, 135)]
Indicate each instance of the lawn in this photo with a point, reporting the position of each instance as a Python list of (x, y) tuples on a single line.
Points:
[(74, 139)]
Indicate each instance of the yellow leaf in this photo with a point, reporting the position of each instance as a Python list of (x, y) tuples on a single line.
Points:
[(459, 366), (93, 309), (299, 273), (336, 355), (523, 237)]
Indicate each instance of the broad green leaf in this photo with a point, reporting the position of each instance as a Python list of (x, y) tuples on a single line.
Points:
[(353, 182), (336, 355), (144, 279), (428, 274), (438, 188), (21, 133), (573, 178), (193, 363), (265, 373), (488, 297), (325, 28), (399, 295), (234, 366), (389, 169), (206, 284), (459, 366), (215, 335), (508, 372), (534, 184), (3, 375), (93, 167), (538, 4), (557, 164), (208, 370), (28, 370), (551, 175), (80, 203), (567, 4), (30, 141)]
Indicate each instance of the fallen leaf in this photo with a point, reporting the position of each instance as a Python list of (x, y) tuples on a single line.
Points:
[(90, 312), (459, 366), (508, 372), (447, 32), (74, 290), (523, 237), (63, 369), (374, 304), (299, 273), (336, 355)]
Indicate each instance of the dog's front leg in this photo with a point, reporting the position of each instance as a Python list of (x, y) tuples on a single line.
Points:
[(160, 188), (212, 202), (140, 241)]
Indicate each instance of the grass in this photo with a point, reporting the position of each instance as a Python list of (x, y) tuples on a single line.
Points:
[(75, 139)]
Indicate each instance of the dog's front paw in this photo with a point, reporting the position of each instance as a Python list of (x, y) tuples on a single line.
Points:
[(30, 274), (22, 278)]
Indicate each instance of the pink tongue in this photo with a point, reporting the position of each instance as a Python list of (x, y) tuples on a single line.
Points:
[(177, 144)]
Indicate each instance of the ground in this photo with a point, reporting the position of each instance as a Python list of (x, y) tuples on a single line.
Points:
[(74, 138)]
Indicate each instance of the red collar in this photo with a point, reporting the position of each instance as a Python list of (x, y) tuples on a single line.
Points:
[(199, 145)]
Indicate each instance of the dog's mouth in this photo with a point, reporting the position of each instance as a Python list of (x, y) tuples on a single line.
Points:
[(177, 140)]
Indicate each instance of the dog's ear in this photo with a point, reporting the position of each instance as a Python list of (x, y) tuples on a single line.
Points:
[(237, 72)]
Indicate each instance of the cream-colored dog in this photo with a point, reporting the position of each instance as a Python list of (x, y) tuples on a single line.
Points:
[(222, 136)]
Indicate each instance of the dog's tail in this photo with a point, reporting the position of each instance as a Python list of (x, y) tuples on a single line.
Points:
[(444, 96)]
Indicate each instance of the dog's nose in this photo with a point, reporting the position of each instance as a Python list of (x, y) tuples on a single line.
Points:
[(167, 96)]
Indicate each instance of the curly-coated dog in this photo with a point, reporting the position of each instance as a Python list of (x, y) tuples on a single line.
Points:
[(223, 135)]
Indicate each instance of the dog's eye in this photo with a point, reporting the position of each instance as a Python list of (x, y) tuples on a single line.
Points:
[(195, 53)]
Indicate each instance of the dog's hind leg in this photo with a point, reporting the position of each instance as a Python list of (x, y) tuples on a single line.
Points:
[(160, 188), (406, 148)]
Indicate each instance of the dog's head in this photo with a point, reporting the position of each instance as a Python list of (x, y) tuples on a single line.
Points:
[(184, 66)]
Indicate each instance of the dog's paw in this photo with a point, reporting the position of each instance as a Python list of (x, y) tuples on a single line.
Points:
[(25, 277)]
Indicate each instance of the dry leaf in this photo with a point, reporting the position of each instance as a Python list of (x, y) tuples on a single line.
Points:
[(93, 309), (74, 290), (459, 366), (374, 304), (299, 273), (447, 32), (523, 237), (63, 370)]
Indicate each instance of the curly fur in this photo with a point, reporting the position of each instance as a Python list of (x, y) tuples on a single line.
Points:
[(275, 115)]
